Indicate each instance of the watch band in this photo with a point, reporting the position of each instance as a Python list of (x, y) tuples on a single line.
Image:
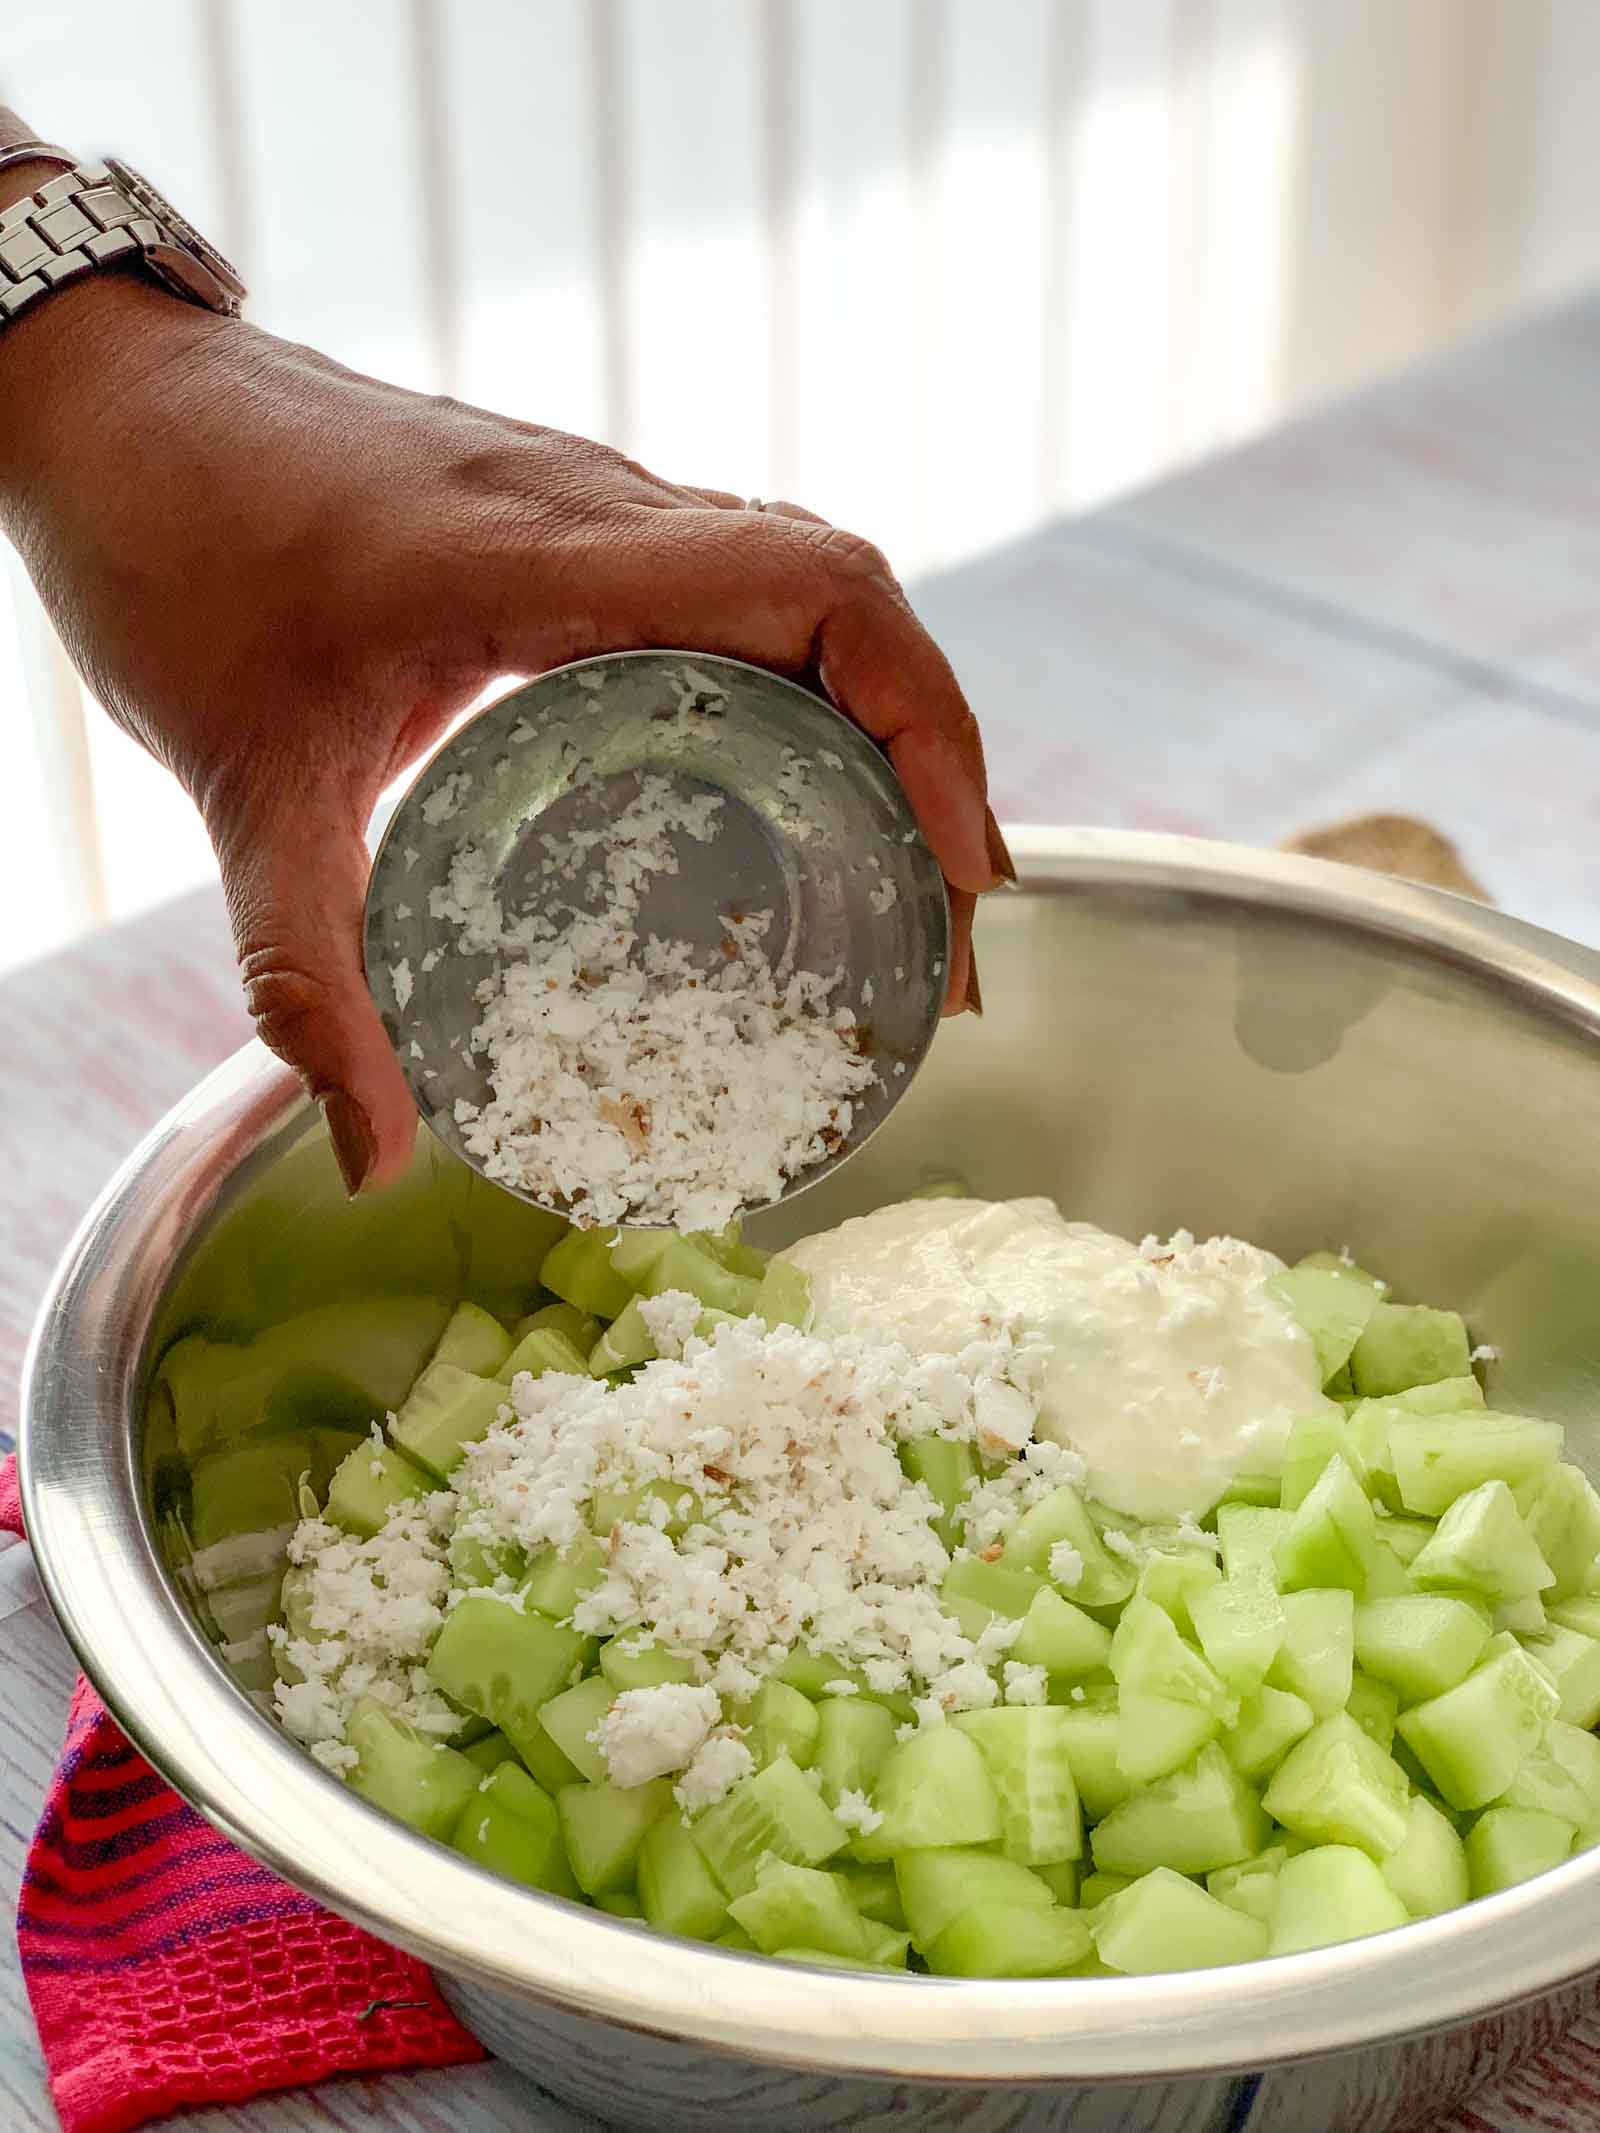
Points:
[(36, 152), (72, 225)]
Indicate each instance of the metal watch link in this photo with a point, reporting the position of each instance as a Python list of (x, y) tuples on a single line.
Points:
[(101, 215)]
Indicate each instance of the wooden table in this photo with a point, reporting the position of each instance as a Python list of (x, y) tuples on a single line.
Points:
[(1392, 606)]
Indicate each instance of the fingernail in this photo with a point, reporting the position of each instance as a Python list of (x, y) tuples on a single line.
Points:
[(999, 858), (354, 1148), (974, 989)]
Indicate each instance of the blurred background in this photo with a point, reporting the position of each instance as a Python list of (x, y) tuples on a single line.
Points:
[(941, 269)]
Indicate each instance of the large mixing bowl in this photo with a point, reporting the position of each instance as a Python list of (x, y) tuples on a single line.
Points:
[(1177, 1034)]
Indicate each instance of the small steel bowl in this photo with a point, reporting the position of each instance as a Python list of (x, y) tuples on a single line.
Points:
[(814, 828)]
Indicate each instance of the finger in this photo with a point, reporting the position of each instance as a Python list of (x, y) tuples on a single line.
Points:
[(777, 507), (962, 976), (297, 930)]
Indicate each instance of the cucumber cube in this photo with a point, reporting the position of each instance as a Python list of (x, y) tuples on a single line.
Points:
[(1312, 1441), (1175, 1581), (778, 1720), (619, 1903), (445, 1411), (566, 1319), (853, 1738), (933, 1790), (479, 1562), (1473, 1739), (578, 1269), (1570, 1661), (1240, 1625), (1328, 1894), (558, 1578), (1342, 1263), (417, 1780), (473, 1341), (1420, 1643), (1148, 1655), (1103, 1578), (1561, 1775), (624, 1344), (1562, 1514), (1337, 1787), (511, 1827), (1096, 1888), (1158, 1734), (1511, 1844), (1091, 1739), (489, 1752), (368, 1484), (975, 1592), (1428, 1869), (603, 1827), (1163, 1922), (1270, 1722), (1440, 1457), (946, 1469), (1374, 1706), (683, 1266), (545, 1348), (1009, 1940), (1481, 1546), (569, 1719), (813, 1674), (1248, 1535), (1405, 1538), (1332, 1535), (938, 1884), (1333, 1306), (1407, 1344), (1061, 1638), (1197, 1818), (626, 1666), (545, 1761), (1252, 1885), (1580, 1612), (1060, 1877), (784, 1296), (503, 1662), (1024, 1752), (799, 1906), (1317, 1657), (678, 1892), (775, 1810)]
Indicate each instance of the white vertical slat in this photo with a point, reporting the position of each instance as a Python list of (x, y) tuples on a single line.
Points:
[(698, 300), (331, 119), (50, 881), (988, 323), (523, 128), (857, 438)]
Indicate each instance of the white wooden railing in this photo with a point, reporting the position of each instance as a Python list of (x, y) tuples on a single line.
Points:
[(939, 267)]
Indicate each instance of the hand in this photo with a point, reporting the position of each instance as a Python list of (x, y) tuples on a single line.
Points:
[(285, 580)]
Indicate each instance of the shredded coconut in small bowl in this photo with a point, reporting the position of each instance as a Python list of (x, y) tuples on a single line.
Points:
[(631, 1078)]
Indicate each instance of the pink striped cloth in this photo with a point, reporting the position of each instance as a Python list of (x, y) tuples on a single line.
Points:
[(166, 1968)]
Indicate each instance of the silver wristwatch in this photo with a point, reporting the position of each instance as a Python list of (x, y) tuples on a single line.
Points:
[(101, 215)]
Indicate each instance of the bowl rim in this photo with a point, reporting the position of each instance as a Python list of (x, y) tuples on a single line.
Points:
[(169, 1692)]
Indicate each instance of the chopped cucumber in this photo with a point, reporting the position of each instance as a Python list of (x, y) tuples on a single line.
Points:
[(1481, 1546), (558, 1578), (603, 1827), (578, 1269), (1024, 1753), (800, 1906), (975, 1592), (1317, 1657), (1312, 1441), (503, 1662), (369, 1483), (946, 1468), (1333, 1306), (417, 1780), (1270, 1722), (814, 1673), (1174, 1581), (1473, 1739), (1570, 1661), (544, 1348), (1060, 1637), (445, 1411), (779, 1720), (934, 1789), (509, 1825), (566, 1319), (1103, 1579), (1091, 1739), (852, 1739), (1374, 1706), (1148, 1655), (1440, 1457), (685, 1267), (473, 1341), (1332, 1536), (1009, 1940), (1428, 1868), (625, 1343), (1421, 1643), (784, 1297), (1248, 1535), (626, 1666), (1157, 1734), (937, 1885), (570, 1718), (1163, 1922), (1561, 1775), (1562, 1514), (1511, 1844), (1407, 1344), (1240, 1625), (1338, 1787), (1331, 1893), (1252, 1885), (775, 1810)]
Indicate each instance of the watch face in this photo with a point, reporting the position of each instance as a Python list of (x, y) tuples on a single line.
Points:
[(156, 205)]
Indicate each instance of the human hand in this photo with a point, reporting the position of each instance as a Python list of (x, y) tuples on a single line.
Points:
[(285, 580)]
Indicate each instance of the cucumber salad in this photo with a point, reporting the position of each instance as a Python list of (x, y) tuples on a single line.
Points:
[(963, 1590)]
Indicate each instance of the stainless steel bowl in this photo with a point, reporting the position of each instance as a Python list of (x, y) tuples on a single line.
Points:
[(1177, 1033)]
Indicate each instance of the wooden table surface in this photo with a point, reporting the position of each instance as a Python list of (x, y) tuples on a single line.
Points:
[(1392, 606)]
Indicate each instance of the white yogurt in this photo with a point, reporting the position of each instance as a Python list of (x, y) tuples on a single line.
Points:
[(1172, 1367)]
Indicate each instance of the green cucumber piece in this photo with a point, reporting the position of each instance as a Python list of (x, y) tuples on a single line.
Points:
[(1158, 1734), (1428, 1869), (1163, 1922), (558, 1578), (631, 1506), (1317, 1657), (1009, 1940), (1240, 1624), (510, 1826), (947, 1469), (1248, 1535), (1562, 1514), (874, 1892), (1270, 1722), (1570, 1661), (1420, 1643), (1060, 1637), (1561, 1775), (933, 1790), (1374, 1706), (1332, 1536), (1149, 1656), (800, 1906), (938, 1884), (1332, 1893), (1403, 1345), (1312, 1441), (774, 1810), (473, 1341), (651, 1668), (624, 1345), (1473, 1739), (417, 1780), (545, 1761), (784, 1296), (445, 1411), (1024, 1753), (1174, 1581), (569, 1719), (976, 1592), (578, 1269), (1440, 1457), (250, 1487), (619, 1903), (503, 1662), (1252, 1885), (853, 1737), (1481, 1546), (1338, 1787), (1103, 1579), (489, 1752), (1195, 1819), (480, 1562), (566, 1319), (779, 1720), (1332, 1305), (1091, 1739), (1342, 1263), (370, 1483), (544, 1348), (1511, 1844), (814, 1673), (683, 1266), (603, 1827)]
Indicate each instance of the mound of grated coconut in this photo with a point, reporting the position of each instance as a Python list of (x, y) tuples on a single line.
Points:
[(629, 1081), (802, 1533)]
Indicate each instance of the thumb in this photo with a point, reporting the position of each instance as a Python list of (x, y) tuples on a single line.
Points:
[(294, 870)]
